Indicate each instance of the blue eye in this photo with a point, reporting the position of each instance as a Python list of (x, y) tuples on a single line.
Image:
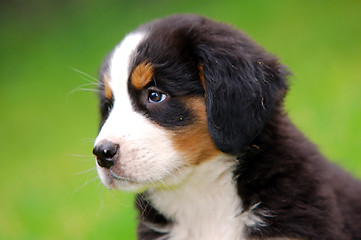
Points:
[(156, 97)]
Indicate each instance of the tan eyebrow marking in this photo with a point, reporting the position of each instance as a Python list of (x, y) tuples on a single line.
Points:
[(142, 75), (201, 75), (107, 90)]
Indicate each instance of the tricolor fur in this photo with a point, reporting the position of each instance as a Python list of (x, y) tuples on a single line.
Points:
[(193, 120)]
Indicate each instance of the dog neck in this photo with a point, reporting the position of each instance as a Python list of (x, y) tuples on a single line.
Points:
[(206, 205)]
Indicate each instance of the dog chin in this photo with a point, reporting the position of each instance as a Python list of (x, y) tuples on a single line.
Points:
[(113, 181)]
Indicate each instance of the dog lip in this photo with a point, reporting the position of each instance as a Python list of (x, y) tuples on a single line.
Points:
[(117, 177)]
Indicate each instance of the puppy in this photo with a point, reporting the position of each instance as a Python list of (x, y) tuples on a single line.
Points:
[(192, 119)]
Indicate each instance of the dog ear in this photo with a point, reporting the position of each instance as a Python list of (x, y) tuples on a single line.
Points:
[(243, 86)]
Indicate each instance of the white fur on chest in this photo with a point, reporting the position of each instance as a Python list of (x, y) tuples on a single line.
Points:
[(206, 205)]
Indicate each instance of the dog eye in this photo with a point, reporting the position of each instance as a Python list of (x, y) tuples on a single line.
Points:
[(156, 97), (106, 107)]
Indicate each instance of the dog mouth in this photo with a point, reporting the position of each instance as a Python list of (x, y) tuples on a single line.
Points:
[(115, 176), (115, 180)]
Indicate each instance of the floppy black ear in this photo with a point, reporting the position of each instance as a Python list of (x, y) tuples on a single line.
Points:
[(243, 84)]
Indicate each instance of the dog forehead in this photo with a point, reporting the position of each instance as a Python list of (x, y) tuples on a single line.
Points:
[(122, 60)]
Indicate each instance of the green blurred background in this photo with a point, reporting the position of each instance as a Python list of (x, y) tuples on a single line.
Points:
[(48, 183)]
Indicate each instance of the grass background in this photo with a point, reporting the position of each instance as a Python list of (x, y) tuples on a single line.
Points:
[(48, 184)]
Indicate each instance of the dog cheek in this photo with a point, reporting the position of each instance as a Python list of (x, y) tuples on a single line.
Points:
[(193, 140)]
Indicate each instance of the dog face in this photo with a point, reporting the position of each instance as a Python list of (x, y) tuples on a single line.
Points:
[(177, 92)]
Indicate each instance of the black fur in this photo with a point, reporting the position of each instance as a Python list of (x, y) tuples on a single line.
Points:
[(308, 197), (149, 215), (243, 85), (174, 74), (305, 196), (235, 69)]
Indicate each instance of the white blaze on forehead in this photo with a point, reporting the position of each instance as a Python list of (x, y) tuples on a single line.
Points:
[(121, 62), (119, 71)]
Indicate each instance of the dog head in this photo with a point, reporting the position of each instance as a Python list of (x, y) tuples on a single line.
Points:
[(177, 92)]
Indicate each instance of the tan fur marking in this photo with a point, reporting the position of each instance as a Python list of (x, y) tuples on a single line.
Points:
[(107, 90), (194, 140), (142, 75), (201, 75)]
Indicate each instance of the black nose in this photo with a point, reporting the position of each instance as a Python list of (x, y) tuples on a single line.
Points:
[(105, 152)]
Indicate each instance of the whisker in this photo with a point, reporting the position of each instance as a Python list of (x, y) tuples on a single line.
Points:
[(180, 172), (79, 89), (166, 171), (84, 74), (85, 184), (85, 171), (91, 81), (163, 183), (154, 183), (143, 204), (91, 180), (87, 140), (101, 205), (89, 84), (118, 199), (82, 155)]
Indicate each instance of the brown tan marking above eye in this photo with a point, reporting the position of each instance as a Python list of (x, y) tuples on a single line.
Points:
[(107, 89), (194, 140), (201, 75), (142, 75)]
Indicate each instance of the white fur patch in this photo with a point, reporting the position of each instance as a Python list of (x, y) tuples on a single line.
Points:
[(205, 206)]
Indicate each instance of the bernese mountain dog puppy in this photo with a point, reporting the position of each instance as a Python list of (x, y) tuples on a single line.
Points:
[(192, 119)]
